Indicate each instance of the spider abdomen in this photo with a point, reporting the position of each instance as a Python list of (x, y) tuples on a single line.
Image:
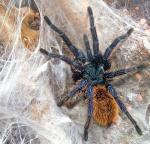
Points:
[(106, 110)]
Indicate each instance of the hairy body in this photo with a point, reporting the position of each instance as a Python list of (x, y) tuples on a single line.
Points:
[(105, 108)]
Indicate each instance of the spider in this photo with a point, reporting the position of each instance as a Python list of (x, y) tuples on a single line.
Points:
[(90, 70)]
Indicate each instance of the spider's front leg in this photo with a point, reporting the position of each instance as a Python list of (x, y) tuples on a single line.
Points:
[(61, 57), (90, 111), (94, 34), (115, 42), (53, 55), (76, 52), (73, 92), (87, 46), (109, 49), (123, 108)]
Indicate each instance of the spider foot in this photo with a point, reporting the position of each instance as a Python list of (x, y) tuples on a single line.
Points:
[(90, 10), (141, 67), (85, 134), (86, 127), (130, 31), (60, 103), (139, 131), (44, 51)]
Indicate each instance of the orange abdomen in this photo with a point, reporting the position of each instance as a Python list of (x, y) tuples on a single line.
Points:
[(105, 110)]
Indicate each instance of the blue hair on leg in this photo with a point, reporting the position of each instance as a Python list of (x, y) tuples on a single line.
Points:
[(94, 35), (78, 88), (90, 97), (76, 52), (73, 92), (123, 108), (87, 46), (90, 111), (124, 71), (115, 43)]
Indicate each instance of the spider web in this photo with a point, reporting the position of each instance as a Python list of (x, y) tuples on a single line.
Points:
[(30, 85)]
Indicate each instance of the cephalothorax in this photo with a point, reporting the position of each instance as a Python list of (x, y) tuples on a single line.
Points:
[(90, 70)]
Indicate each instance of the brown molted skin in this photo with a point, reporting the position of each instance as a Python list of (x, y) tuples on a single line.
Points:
[(30, 30), (106, 110)]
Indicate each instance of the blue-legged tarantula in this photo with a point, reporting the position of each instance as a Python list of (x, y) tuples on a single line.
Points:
[(90, 70)]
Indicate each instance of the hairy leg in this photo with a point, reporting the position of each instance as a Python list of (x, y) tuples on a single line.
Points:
[(115, 42), (94, 34), (62, 57), (107, 64), (73, 92), (52, 55), (90, 111), (76, 52), (123, 108), (72, 104), (123, 71), (87, 46)]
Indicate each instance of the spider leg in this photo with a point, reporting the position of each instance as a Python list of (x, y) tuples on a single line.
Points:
[(115, 42), (87, 46), (90, 111), (123, 108), (94, 34), (73, 92), (52, 55), (62, 57), (123, 71), (76, 52), (107, 64), (74, 103)]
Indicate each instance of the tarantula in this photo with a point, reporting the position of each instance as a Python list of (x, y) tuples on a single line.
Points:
[(91, 72)]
